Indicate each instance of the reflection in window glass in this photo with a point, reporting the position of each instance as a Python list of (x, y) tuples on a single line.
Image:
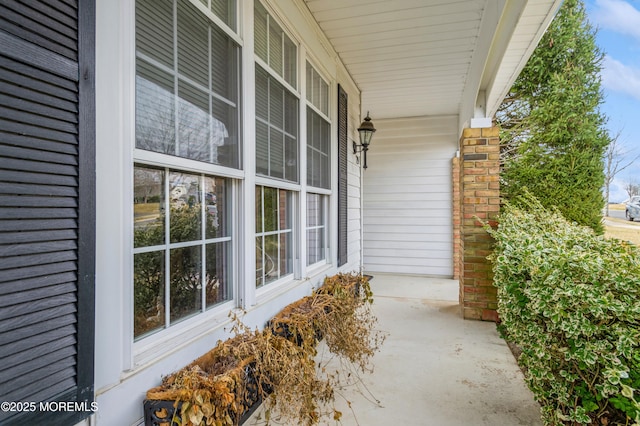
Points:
[(203, 76), (274, 237), (216, 225), (185, 207), (217, 274), (276, 129), (190, 272), (149, 301), (318, 150), (185, 294), (316, 228), (148, 204)]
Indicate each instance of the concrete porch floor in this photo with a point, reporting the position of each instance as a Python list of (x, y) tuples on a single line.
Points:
[(434, 367)]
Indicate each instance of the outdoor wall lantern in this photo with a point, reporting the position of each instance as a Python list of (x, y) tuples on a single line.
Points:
[(366, 131)]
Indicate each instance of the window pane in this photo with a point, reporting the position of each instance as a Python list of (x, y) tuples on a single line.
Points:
[(318, 134), (259, 261), (259, 205), (271, 252), (154, 30), (206, 67), (286, 254), (224, 65), (155, 109), (216, 208), (218, 285), (286, 206), (275, 47), (291, 159), (317, 90), (309, 74), (262, 94), (291, 114), (185, 211), (260, 31), (316, 228), (314, 211), (224, 142), (271, 209), (262, 148), (276, 153), (148, 289), (226, 11), (185, 297), (290, 62), (315, 246), (193, 124), (148, 205), (274, 246), (276, 104), (198, 272), (193, 43), (277, 141)]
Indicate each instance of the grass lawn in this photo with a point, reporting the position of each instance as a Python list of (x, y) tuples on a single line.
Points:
[(616, 206), (622, 230)]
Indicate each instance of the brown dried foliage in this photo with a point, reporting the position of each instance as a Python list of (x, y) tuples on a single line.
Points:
[(282, 358)]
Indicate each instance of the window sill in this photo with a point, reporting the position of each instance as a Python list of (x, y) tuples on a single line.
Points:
[(318, 271), (162, 344)]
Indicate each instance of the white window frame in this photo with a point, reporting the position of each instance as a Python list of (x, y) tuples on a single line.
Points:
[(150, 347), (269, 290), (292, 208), (324, 192)]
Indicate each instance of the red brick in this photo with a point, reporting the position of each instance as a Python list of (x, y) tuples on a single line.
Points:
[(490, 315), (469, 313)]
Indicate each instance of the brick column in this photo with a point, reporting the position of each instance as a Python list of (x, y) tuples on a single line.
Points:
[(456, 218), (480, 193)]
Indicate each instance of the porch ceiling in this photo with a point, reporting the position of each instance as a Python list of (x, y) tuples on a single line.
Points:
[(433, 57)]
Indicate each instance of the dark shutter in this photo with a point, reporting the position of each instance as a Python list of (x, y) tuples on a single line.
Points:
[(47, 207), (343, 121)]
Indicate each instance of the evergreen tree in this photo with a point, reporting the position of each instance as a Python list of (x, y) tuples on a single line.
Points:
[(552, 129)]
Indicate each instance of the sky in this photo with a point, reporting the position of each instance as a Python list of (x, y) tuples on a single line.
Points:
[(618, 35)]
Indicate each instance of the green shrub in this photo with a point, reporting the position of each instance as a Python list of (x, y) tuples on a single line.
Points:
[(570, 299)]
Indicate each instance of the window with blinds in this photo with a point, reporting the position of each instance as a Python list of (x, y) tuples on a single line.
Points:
[(318, 165), (318, 131), (274, 47), (317, 237), (277, 114), (187, 81), (317, 90), (187, 106), (276, 129)]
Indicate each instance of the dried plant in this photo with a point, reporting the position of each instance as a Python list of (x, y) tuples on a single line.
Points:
[(278, 364)]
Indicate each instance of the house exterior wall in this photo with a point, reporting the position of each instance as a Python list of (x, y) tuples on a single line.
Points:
[(407, 197), (127, 367)]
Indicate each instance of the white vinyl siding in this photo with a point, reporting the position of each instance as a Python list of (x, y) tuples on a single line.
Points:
[(407, 197)]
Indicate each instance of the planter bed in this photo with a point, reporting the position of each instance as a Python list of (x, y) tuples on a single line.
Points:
[(228, 383)]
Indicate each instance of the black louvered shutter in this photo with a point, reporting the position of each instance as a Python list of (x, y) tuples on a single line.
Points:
[(343, 117), (47, 207)]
